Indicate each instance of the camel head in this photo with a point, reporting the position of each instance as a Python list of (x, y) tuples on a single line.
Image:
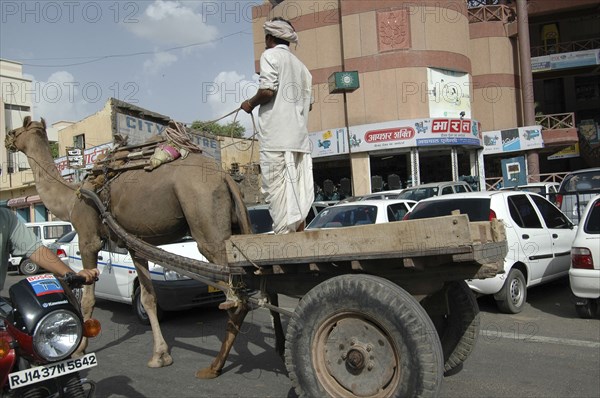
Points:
[(16, 139)]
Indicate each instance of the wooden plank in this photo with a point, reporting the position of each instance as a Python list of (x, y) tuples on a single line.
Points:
[(414, 238)]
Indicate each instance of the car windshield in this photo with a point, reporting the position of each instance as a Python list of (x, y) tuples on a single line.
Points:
[(478, 209), (68, 237), (418, 193), (345, 216), (581, 182)]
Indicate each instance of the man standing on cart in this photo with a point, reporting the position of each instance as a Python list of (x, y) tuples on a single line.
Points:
[(284, 96)]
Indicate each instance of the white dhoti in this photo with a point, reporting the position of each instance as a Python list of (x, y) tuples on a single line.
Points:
[(287, 182)]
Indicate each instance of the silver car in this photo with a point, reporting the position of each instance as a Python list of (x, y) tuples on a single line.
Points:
[(576, 190)]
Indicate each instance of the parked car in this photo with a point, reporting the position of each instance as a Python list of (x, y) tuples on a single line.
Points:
[(576, 190), (538, 235), (425, 191), (373, 211), (584, 274), (546, 189), (118, 279), (48, 232), (261, 220)]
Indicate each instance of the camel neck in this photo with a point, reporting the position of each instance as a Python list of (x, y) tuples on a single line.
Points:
[(56, 193)]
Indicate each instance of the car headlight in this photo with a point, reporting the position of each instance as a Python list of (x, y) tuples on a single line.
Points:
[(171, 275), (57, 335)]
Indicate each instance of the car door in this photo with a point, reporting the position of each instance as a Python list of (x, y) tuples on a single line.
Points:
[(117, 273), (535, 243), (562, 233)]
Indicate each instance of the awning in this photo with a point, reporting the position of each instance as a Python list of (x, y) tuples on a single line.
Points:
[(23, 201)]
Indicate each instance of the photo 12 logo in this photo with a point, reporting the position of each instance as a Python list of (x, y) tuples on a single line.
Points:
[(69, 11), (69, 91)]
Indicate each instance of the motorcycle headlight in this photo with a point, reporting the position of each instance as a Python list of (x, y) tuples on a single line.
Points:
[(57, 335), (174, 276)]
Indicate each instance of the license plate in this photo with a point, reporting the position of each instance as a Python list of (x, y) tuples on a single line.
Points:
[(26, 377), (212, 289)]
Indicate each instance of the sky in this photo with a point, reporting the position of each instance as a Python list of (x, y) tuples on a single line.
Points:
[(189, 60)]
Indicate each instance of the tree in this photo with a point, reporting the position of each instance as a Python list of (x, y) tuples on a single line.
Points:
[(232, 129), (54, 149)]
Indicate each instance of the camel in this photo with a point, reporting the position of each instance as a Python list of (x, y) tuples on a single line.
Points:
[(188, 195)]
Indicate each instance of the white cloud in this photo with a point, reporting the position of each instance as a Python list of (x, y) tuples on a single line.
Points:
[(62, 97), (172, 23), (226, 93), (158, 62)]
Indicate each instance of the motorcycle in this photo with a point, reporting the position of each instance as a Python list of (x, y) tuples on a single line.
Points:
[(40, 328)]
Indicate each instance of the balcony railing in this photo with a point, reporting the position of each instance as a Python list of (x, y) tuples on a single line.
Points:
[(566, 47), (495, 13), (556, 121), (495, 183)]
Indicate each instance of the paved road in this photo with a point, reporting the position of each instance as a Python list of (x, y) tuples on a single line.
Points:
[(546, 351)]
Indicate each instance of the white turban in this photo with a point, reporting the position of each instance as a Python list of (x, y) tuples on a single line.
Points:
[(281, 30)]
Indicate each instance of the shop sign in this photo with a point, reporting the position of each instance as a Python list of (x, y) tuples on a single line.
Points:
[(574, 59), (572, 151), (396, 134), (449, 93), (512, 140), (89, 157)]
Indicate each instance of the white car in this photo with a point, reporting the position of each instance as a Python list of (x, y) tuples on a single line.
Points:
[(538, 235), (375, 211), (118, 278), (584, 274), (546, 189), (423, 191), (47, 232), (261, 220)]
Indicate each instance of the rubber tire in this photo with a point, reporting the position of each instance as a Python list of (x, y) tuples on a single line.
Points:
[(28, 267), (504, 299), (139, 310), (386, 306), (458, 330), (587, 311)]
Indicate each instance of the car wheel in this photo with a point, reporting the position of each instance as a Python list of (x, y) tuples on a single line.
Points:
[(511, 298), (140, 312), (588, 310), (28, 267)]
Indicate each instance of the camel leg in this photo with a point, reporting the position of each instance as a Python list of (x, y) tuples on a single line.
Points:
[(160, 354), (234, 323), (279, 336), (88, 301)]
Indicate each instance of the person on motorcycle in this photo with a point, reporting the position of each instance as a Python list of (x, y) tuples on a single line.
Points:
[(17, 239)]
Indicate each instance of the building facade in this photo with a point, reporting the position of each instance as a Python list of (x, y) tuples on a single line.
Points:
[(433, 76), (17, 188)]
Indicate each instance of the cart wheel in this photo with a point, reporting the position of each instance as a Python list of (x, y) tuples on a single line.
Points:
[(362, 336), (458, 328)]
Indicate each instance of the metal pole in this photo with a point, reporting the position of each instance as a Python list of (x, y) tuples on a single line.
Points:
[(533, 161), (347, 124)]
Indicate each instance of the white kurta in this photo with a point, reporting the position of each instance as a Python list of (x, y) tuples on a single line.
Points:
[(286, 164)]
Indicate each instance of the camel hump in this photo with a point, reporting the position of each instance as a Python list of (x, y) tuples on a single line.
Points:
[(241, 212)]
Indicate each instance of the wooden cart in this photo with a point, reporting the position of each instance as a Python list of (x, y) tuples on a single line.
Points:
[(384, 309)]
